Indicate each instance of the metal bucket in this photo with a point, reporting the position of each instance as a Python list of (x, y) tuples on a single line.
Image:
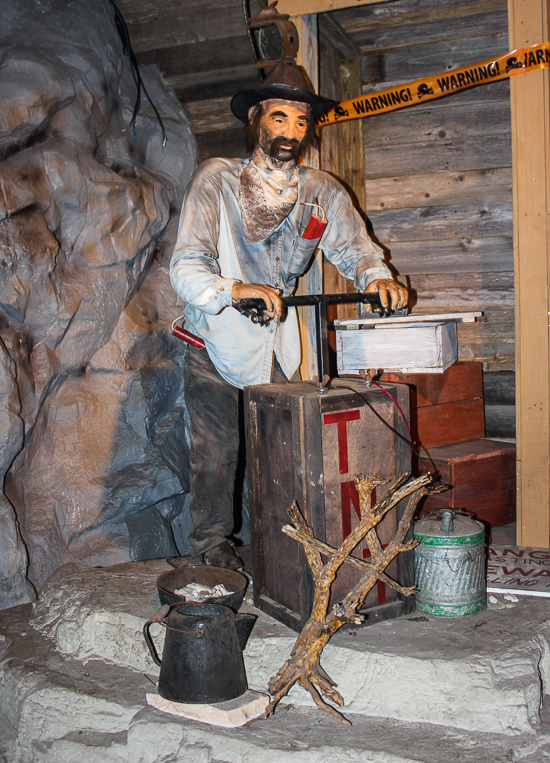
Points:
[(450, 565)]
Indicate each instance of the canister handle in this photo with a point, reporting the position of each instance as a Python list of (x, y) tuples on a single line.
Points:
[(447, 521)]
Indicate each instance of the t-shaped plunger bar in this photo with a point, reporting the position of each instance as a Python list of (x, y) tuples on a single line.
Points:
[(253, 309)]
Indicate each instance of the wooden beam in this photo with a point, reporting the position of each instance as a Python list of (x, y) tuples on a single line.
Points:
[(332, 150), (155, 25), (402, 22), (529, 24), (308, 58), (352, 133), (212, 115), (342, 152), (337, 37), (201, 56), (303, 7), (425, 189), (180, 81)]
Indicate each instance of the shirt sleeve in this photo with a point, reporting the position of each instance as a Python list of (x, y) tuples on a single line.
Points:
[(349, 247), (194, 269)]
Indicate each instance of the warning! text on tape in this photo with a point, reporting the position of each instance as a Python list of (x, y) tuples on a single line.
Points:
[(439, 85)]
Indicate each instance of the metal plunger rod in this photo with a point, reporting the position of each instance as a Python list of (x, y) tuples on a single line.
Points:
[(320, 302), (321, 341), (309, 300)]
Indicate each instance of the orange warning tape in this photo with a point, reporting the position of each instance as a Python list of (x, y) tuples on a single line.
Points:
[(439, 85)]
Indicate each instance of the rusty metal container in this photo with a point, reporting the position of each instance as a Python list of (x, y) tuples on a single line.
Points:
[(450, 564)]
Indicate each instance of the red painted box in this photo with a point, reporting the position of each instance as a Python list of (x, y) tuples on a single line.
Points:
[(445, 408), (482, 479)]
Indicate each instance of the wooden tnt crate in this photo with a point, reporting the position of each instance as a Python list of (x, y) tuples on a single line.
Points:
[(445, 408), (482, 476), (306, 446)]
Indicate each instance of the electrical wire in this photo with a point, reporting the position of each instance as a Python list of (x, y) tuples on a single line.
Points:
[(409, 431), (176, 320), (310, 204), (398, 408), (409, 441), (136, 75)]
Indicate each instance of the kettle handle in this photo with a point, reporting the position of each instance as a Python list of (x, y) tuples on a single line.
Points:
[(149, 642), (159, 617)]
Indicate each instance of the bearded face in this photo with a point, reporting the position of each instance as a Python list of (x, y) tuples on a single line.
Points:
[(283, 129)]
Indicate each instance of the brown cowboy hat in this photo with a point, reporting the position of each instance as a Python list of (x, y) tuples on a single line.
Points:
[(285, 81)]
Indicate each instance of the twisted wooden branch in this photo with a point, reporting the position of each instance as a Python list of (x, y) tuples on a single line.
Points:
[(360, 564), (303, 665)]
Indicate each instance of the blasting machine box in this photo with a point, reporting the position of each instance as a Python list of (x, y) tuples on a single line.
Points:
[(308, 446)]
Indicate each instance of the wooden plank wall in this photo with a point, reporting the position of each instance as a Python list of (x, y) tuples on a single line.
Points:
[(439, 177), (203, 51)]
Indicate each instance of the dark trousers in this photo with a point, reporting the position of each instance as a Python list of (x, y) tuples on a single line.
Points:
[(215, 409)]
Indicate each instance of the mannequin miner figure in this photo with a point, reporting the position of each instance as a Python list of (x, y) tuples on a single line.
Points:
[(240, 236)]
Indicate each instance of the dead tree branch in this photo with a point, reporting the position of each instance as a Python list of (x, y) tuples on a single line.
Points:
[(303, 665)]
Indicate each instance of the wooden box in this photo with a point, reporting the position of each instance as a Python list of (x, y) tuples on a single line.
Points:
[(445, 408), (428, 347), (306, 446), (482, 476)]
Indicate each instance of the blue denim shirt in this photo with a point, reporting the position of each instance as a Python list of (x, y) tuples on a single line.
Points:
[(211, 252)]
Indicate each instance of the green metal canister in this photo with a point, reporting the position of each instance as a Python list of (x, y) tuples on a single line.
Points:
[(450, 564)]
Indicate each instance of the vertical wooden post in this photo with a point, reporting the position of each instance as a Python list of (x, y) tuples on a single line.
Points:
[(342, 154), (308, 58), (528, 23), (353, 170)]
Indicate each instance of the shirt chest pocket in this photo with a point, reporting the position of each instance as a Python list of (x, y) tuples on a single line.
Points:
[(303, 250)]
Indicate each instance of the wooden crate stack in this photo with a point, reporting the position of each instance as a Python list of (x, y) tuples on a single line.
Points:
[(447, 419)]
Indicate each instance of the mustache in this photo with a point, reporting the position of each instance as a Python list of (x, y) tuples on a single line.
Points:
[(277, 145)]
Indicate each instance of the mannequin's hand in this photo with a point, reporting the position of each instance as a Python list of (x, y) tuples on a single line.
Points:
[(392, 294), (271, 297)]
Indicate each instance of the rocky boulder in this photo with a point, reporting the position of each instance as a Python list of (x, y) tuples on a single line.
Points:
[(92, 447)]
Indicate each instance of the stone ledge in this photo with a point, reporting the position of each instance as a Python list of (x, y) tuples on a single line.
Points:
[(55, 709), (481, 672)]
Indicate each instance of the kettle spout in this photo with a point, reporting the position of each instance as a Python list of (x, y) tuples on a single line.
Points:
[(244, 623)]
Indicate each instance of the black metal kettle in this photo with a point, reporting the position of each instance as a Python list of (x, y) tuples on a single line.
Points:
[(202, 660)]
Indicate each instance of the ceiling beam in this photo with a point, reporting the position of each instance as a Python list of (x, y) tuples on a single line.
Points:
[(302, 7)]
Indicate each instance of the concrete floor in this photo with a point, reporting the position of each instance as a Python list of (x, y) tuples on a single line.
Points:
[(74, 673)]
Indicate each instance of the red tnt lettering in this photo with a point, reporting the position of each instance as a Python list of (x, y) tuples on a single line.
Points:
[(350, 497), (341, 418)]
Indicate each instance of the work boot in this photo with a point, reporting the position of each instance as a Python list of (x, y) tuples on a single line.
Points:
[(223, 555), (184, 561)]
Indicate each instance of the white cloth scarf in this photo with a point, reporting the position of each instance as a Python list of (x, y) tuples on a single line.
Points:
[(267, 196)]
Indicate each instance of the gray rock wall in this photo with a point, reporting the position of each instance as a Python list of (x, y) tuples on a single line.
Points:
[(92, 439)]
